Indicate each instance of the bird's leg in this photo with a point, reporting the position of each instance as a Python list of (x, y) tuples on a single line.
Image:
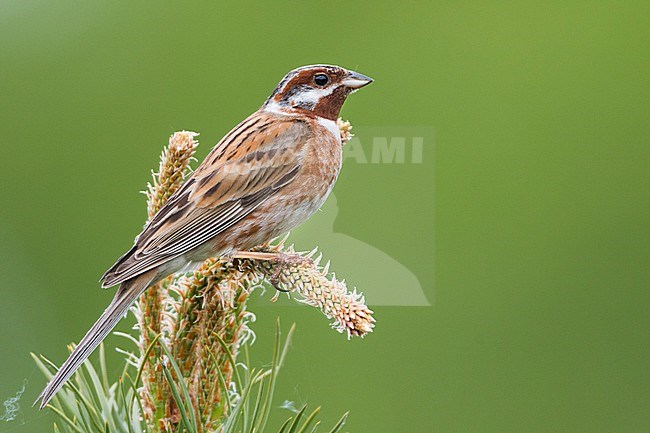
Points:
[(254, 255)]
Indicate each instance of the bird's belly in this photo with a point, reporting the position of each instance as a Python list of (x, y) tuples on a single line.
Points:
[(279, 214)]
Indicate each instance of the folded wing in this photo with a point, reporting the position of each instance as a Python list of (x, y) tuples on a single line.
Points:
[(252, 163)]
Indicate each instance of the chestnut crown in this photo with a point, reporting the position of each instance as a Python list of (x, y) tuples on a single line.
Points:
[(318, 90)]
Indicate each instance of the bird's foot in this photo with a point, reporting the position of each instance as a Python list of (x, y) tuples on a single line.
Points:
[(280, 262)]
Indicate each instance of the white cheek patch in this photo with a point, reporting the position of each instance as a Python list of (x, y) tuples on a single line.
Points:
[(309, 97)]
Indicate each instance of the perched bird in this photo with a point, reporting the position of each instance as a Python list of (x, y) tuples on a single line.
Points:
[(265, 177)]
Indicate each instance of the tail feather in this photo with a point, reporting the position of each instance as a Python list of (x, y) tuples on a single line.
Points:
[(125, 296)]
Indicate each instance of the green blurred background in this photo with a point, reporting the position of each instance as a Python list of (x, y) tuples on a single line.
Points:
[(527, 224)]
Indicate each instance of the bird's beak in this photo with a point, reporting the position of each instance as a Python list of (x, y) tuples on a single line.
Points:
[(355, 80)]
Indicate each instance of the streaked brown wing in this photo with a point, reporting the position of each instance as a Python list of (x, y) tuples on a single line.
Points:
[(254, 161)]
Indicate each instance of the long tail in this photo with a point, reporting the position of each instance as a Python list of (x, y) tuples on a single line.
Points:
[(126, 294)]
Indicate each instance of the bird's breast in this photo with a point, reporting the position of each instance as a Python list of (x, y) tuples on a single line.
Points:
[(320, 167)]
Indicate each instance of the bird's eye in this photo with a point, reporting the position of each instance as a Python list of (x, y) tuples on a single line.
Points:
[(321, 79)]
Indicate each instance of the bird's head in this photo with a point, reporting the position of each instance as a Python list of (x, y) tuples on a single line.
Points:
[(318, 90)]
